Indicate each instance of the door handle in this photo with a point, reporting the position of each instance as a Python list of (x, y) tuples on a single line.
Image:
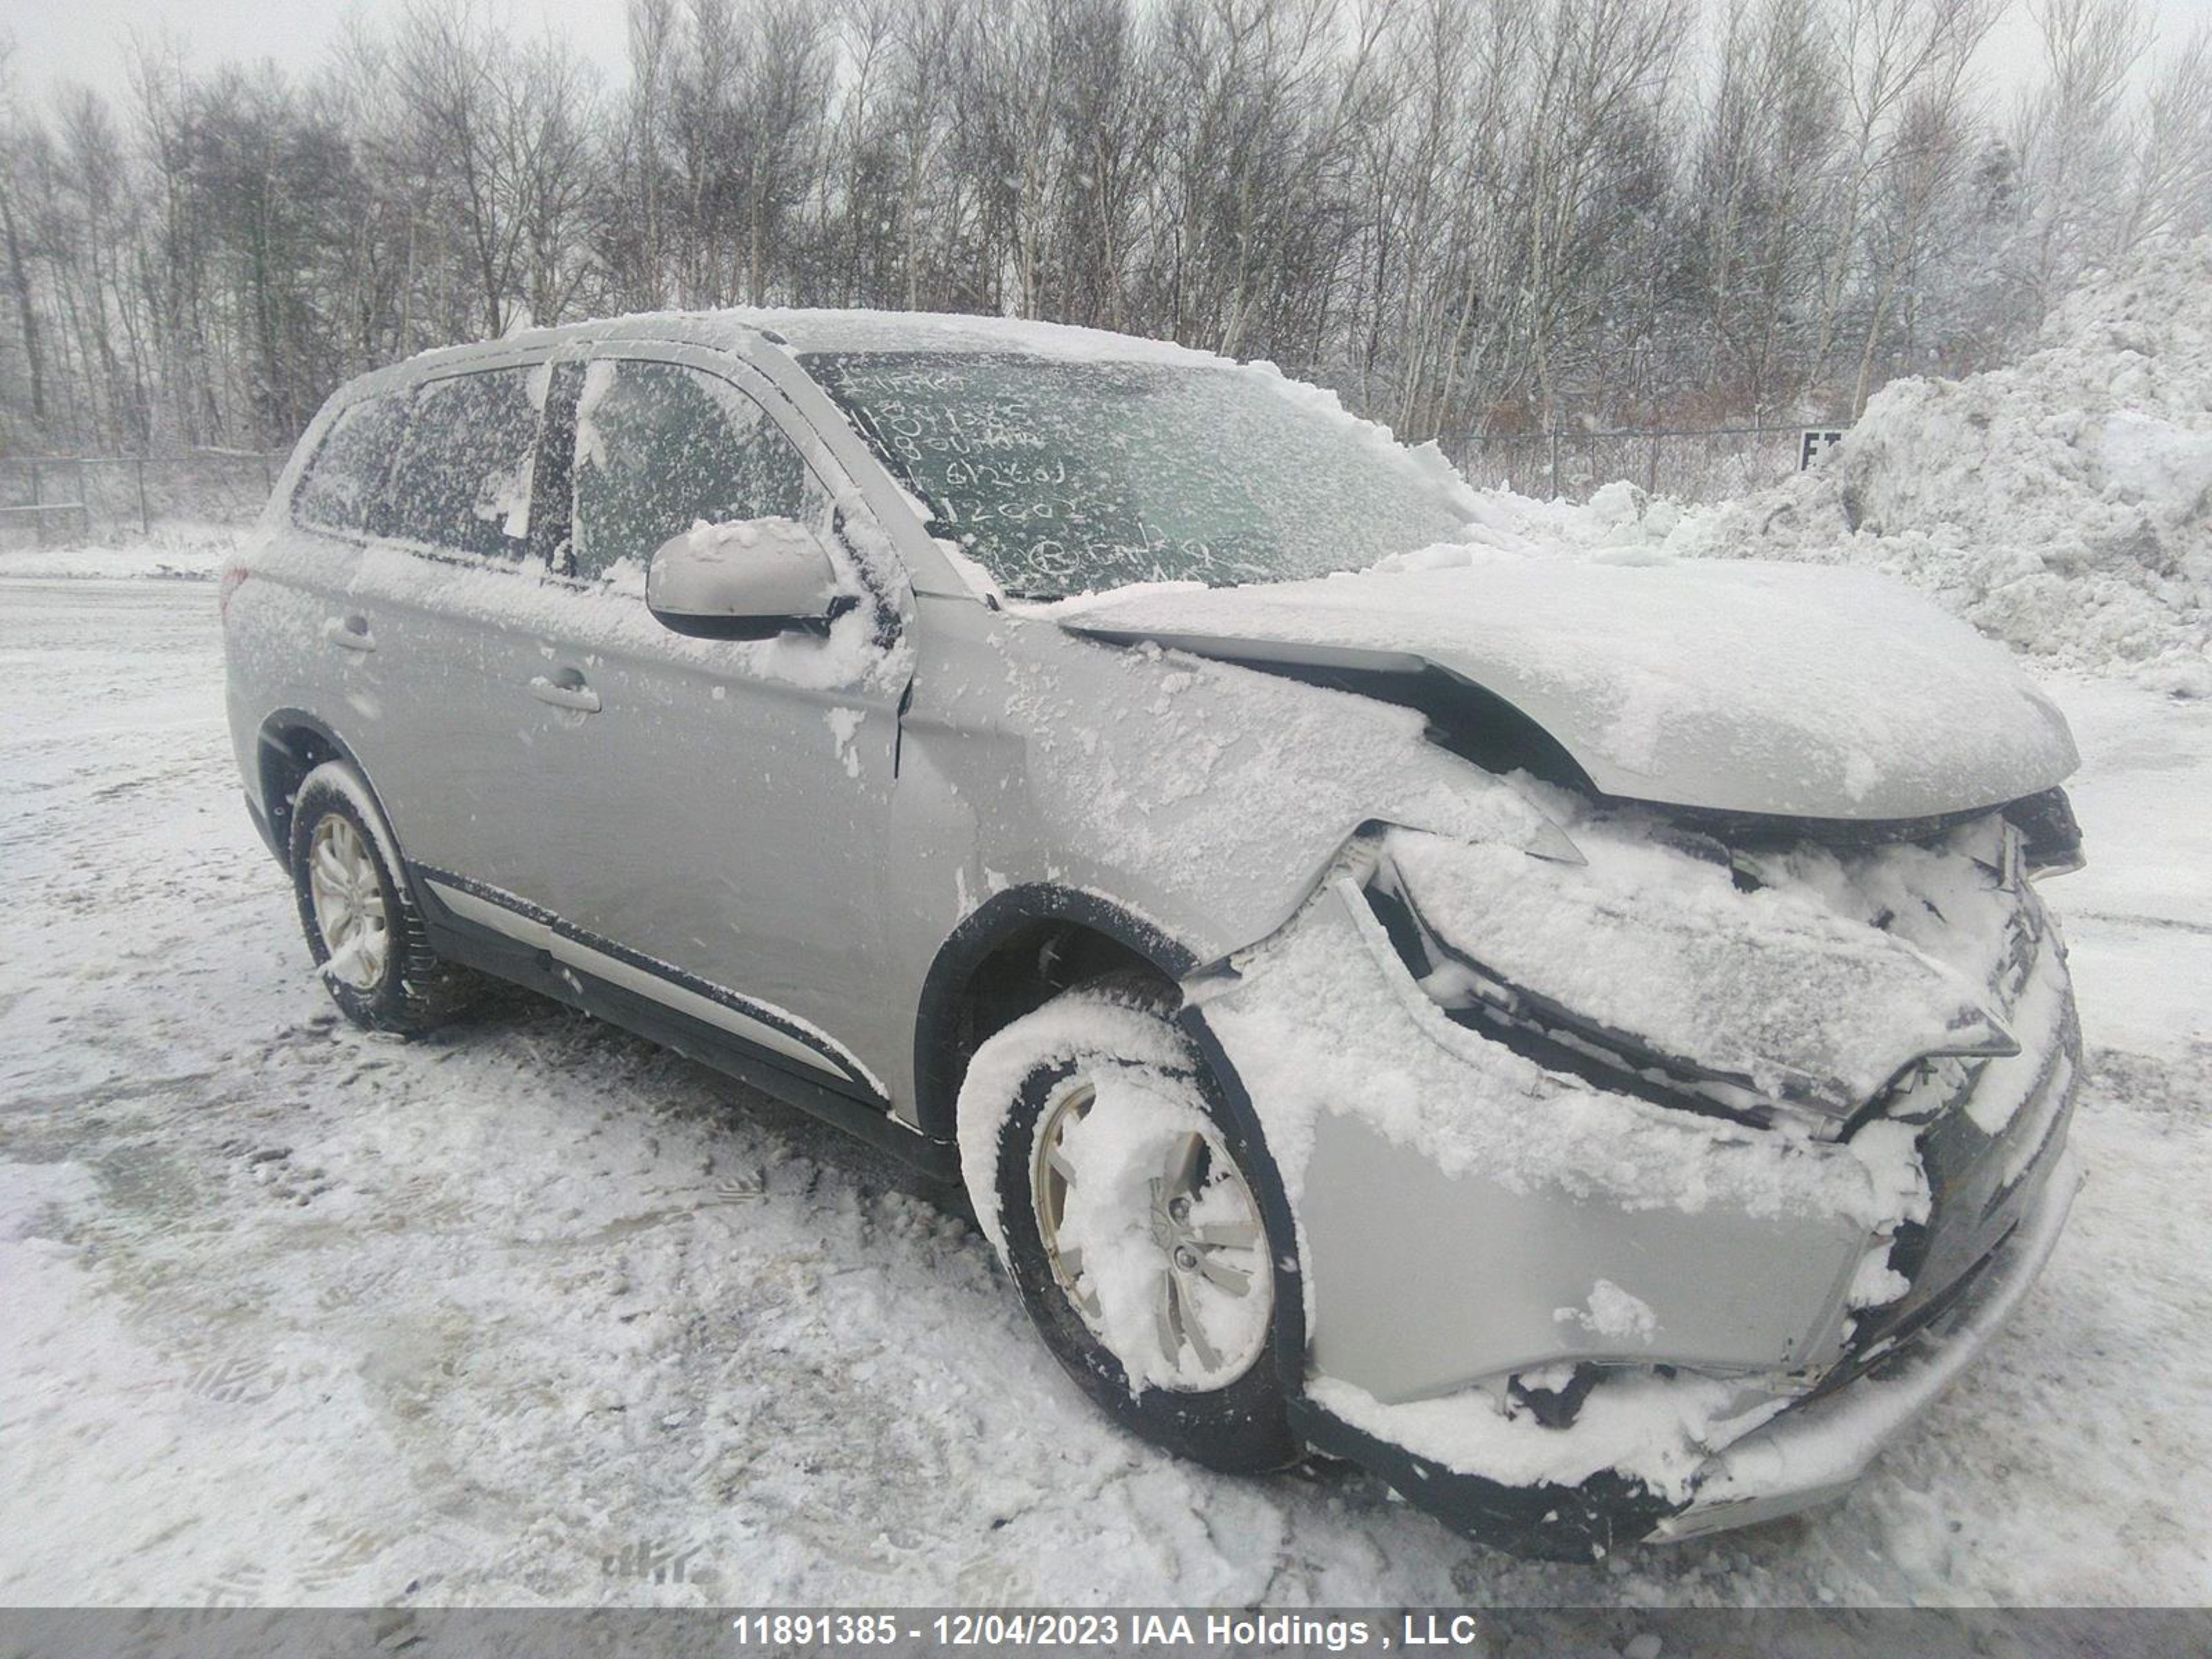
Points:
[(351, 632), (566, 690)]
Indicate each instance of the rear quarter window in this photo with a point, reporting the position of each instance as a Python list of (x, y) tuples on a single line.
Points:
[(462, 479), (347, 474)]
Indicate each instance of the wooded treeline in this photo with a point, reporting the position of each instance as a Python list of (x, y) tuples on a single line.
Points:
[(1464, 215)]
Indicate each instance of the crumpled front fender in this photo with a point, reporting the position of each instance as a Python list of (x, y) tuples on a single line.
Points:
[(1479, 1236)]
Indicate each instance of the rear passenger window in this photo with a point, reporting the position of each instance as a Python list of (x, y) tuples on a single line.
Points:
[(660, 447), (462, 480), (347, 475)]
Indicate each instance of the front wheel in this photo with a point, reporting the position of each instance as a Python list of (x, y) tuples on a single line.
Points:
[(1125, 1206), (360, 916)]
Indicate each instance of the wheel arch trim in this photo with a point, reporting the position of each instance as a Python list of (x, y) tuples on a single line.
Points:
[(268, 740), (980, 932)]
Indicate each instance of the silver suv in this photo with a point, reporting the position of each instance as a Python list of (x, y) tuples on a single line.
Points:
[(1577, 1036)]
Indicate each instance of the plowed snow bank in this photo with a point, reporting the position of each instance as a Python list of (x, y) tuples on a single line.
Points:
[(2063, 504)]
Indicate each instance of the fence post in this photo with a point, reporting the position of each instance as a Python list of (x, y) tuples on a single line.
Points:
[(83, 503), (37, 500), (1651, 473), (1555, 463), (145, 518)]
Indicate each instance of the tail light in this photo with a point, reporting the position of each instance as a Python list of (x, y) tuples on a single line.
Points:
[(233, 577)]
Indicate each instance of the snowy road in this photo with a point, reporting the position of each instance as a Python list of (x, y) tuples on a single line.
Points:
[(536, 1312)]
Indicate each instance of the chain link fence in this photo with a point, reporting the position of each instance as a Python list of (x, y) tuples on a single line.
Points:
[(1705, 464), (77, 500)]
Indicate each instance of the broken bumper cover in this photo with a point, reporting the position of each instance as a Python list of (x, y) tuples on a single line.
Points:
[(1812, 1454), (1808, 1456), (1469, 1223)]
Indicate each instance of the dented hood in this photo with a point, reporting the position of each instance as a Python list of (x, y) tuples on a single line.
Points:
[(1733, 686)]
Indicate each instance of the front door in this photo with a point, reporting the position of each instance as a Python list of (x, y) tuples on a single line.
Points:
[(711, 814)]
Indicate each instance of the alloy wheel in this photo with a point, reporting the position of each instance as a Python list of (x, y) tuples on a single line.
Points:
[(1194, 1225), (347, 893)]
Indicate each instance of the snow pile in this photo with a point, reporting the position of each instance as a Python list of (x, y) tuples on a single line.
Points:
[(2063, 504), (1620, 524)]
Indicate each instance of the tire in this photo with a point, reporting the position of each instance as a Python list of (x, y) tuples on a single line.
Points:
[(379, 969), (1101, 1084)]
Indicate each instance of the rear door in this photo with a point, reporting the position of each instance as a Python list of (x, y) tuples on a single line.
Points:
[(440, 620), (711, 814), (289, 632)]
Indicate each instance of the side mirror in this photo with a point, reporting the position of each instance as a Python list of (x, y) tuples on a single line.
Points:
[(749, 580)]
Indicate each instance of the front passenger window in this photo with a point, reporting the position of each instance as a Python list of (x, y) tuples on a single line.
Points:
[(462, 481), (660, 447)]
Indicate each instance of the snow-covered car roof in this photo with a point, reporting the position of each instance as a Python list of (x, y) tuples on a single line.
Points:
[(908, 331), (803, 332)]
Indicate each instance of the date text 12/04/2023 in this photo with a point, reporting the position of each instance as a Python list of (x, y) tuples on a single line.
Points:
[(1075, 1629)]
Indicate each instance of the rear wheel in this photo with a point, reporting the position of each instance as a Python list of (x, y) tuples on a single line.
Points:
[(360, 916), (1128, 1216)]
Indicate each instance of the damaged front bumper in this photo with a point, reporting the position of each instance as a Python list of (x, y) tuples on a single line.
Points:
[(1812, 1454), (1809, 1456), (1479, 1237)]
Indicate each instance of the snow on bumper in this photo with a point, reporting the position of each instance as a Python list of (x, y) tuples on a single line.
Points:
[(1471, 1223), (1457, 1204)]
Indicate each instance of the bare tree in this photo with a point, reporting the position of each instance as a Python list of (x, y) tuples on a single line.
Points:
[(2169, 189), (1465, 215), (19, 279), (2070, 139)]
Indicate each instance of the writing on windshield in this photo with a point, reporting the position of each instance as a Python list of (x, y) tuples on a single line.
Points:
[(1063, 477)]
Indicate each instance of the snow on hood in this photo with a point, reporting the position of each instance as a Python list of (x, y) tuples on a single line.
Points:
[(1741, 686)]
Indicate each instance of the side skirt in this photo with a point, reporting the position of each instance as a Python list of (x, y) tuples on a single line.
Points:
[(853, 1108)]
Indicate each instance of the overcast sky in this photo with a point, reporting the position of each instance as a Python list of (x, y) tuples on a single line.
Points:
[(85, 39)]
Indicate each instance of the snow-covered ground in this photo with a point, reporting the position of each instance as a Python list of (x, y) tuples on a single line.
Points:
[(536, 1312)]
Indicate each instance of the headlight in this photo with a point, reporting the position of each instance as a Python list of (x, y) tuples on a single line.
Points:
[(2050, 835)]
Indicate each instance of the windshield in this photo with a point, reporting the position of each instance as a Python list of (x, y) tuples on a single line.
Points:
[(1070, 476)]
